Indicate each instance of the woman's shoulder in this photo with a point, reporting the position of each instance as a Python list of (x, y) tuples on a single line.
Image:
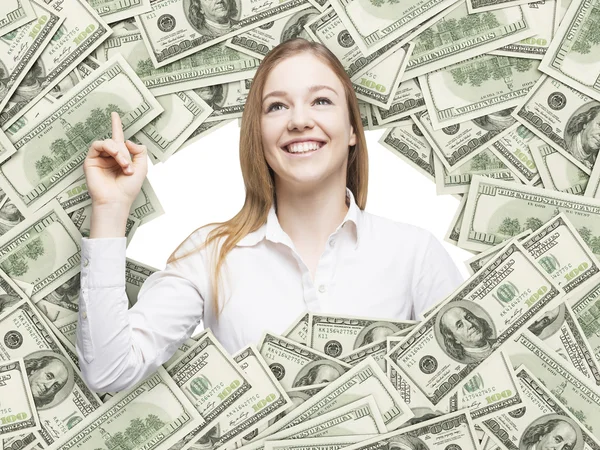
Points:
[(195, 242)]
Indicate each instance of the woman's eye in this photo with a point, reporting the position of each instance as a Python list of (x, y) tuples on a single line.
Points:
[(323, 98), (270, 108)]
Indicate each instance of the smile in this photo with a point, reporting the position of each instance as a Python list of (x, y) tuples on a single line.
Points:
[(303, 148)]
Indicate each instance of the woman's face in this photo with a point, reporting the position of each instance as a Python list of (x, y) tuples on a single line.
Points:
[(297, 112)]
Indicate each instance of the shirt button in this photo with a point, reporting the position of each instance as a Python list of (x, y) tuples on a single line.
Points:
[(331, 242), (322, 288), (86, 262)]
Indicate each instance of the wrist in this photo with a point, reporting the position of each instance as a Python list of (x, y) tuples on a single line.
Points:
[(108, 220)]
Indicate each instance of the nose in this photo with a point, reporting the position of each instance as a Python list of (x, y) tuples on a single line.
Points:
[(300, 119)]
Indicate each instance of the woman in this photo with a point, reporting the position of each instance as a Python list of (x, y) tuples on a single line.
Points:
[(300, 241)]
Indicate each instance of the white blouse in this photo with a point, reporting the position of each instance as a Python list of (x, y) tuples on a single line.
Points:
[(371, 266)]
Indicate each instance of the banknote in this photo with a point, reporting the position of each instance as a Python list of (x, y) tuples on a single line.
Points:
[(455, 430), (584, 302), (376, 350), (226, 99), (10, 214), (17, 405), (514, 150), (457, 181), (561, 8), (475, 263), (81, 31), (499, 300), (558, 172), (215, 65), (408, 143), (372, 24), (66, 400), (457, 144), (453, 234), (563, 254), (298, 330), (155, 407), (366, 378), (44, 250), (558, 114), (592, 188), (313, 443), (476, 6), (115, 10), (20, 48), (14, 14), (175, 29), (337, 335), (356, 418), (570, 57), (567, 384), (50, 153), (477, 86), (372, 122), (183, 348), (558, 328), (541, 417), (543, 14), (496, 211), (408, 99), (183, 113), (294, 365), (463, 39), (7, 149)]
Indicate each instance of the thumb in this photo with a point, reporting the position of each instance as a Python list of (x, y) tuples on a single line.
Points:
[(139, 152)]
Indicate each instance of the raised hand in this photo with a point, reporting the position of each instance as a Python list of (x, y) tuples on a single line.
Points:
[(113, 177)]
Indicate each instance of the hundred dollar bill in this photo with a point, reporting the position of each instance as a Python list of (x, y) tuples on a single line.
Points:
[(592, 188), (559, 115), (226, 99), (371, 118), (453, 234), (484, 163), (407, 142), (561, 9), (7, 149), (408, 99), (136, 274), (481, 33), (337, 335), (559, 330), (496, 211), (255, 407), (557, 171), (298, 330), (475, 263), (115, 10), (175, 29), (20, 48), (542, 420), (476, 6), (44, 250), (64, 401), (499, 300), (457, 144), (543, 14), (14, 14), (320, 443), (294, 365), (376, 350), (455, 430), (214, 65), (81, 31), (26, 441), (366, 378), (50, 152), (481, 85), (10, 216), (514, 149), (357, 418), (559, 249), (183, 348), (18, 412), (183, 113), (259, 41), (571, 57), (584, 301), (567, 384), (372, 25), (155, 407)]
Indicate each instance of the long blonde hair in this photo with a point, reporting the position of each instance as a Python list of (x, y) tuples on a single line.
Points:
[(258, 175)]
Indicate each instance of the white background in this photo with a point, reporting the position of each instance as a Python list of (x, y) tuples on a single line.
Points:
[(203, 183)]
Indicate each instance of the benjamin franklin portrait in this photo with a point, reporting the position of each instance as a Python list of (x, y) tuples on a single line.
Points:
[(212, 18), (214, 95), (582, 134), (552, 432), (405, 442), (318, 372), (9, 217), (294, 27), (465, 332), (375, 332), (48, 375), (548, 323), (497, 121)]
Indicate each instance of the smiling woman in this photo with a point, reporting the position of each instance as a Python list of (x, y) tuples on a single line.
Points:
[(301, 241)]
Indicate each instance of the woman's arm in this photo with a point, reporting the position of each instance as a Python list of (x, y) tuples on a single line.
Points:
[(117, 346)]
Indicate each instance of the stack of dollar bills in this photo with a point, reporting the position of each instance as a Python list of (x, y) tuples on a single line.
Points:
[(496, 101)]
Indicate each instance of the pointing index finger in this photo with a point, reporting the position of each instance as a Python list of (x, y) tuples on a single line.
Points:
[(117, 128)]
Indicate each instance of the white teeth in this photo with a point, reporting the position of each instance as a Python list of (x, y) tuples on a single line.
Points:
[(301, 147)]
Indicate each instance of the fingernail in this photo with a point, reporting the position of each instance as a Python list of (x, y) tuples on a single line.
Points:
[(128, 169)]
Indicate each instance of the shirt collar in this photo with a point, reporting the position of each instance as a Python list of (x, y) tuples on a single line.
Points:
[(272, 230)]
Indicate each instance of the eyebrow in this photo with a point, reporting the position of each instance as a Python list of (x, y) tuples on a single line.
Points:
[(313, 88)]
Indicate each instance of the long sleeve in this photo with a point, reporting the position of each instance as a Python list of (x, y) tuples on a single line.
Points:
[(435, 278), (117, 346)]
